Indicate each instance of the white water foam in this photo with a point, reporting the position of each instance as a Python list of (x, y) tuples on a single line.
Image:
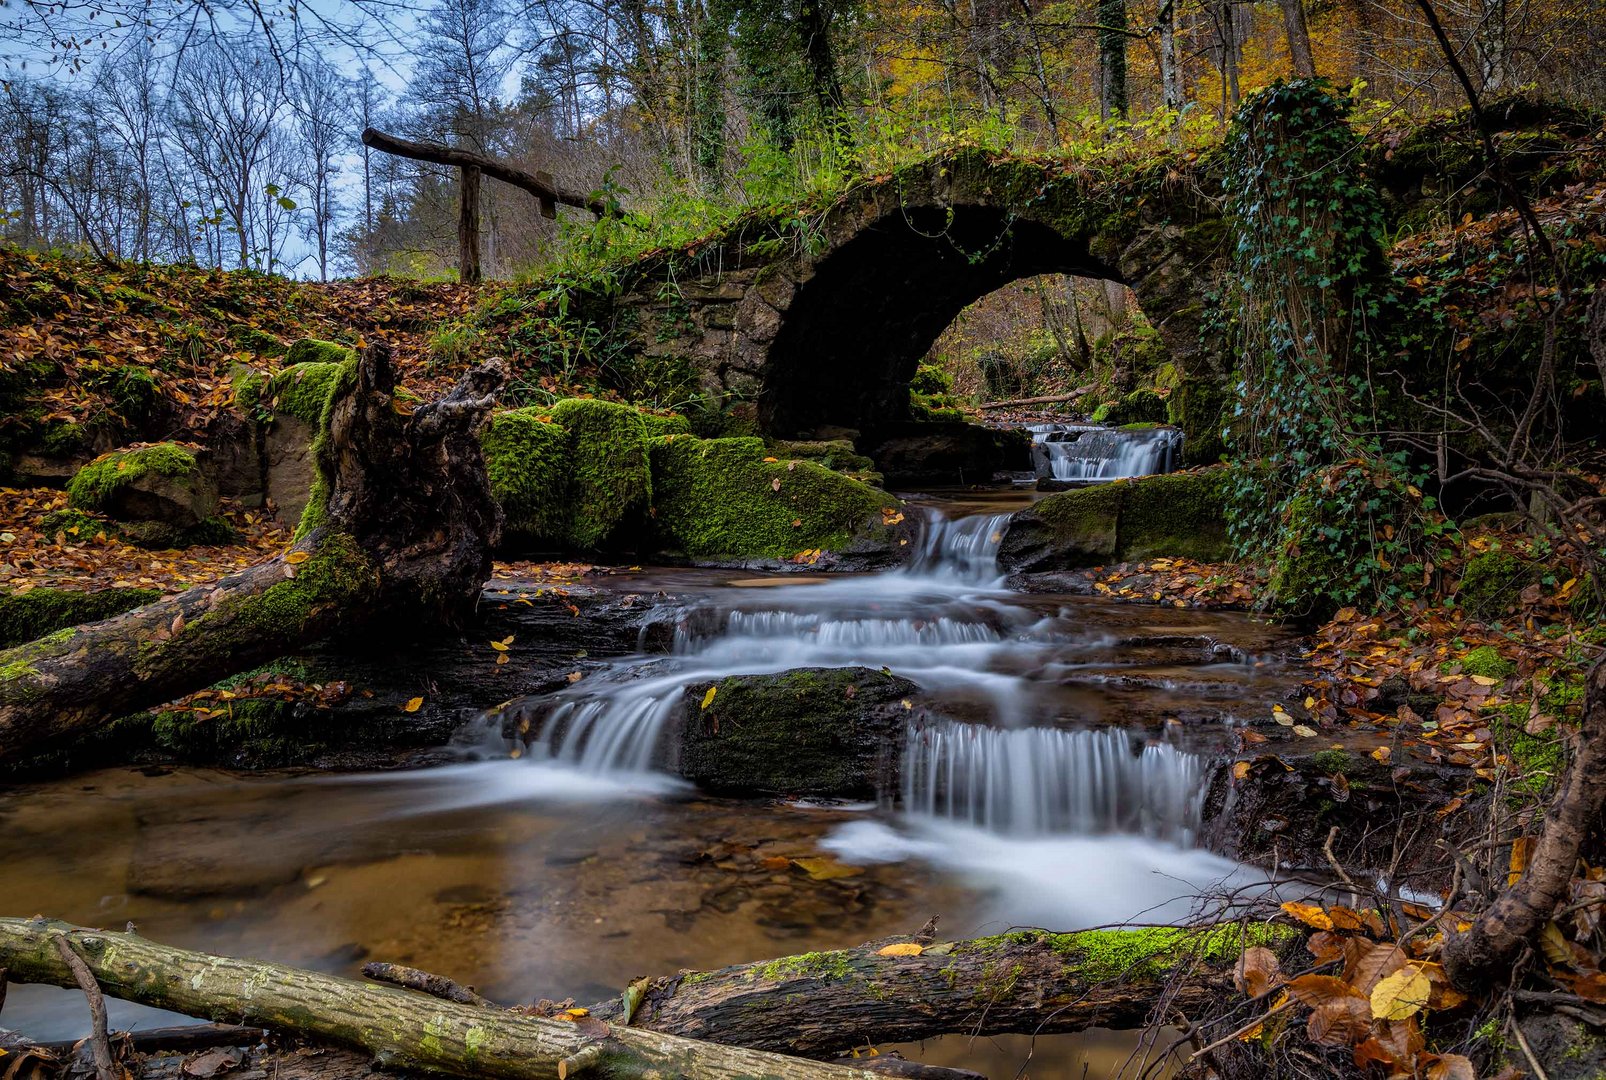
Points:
[(1094, 452)]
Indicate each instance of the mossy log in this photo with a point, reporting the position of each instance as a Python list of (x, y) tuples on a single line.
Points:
[(1028, 982), (400, 1029), (401, 529)]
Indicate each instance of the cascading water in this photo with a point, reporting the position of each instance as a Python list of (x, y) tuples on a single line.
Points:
[(617, 720), (1040, 781), (1094, 452)]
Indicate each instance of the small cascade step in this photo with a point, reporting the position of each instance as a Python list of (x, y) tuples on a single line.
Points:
[(1039, 781), (1091, 452)]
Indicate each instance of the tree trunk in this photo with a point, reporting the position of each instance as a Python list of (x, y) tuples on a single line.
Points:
[(1486, 952), (399, 1029), (1171, 69), (816, 1005), (1112, 59), (401, 524), (468, 225), (819, 1004), (1298, 38)]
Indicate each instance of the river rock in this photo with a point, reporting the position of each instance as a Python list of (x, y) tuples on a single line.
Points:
[(1175, 514), (833, 732)]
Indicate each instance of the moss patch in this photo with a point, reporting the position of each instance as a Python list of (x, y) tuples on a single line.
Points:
[(611, 482), (527, 457), (38, 612), (1493, 581), (1102, 955), (1485, 660), (95, 485), (719, 497)]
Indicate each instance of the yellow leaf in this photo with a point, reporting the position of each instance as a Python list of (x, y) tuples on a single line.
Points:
[(771, 460), (499, 646), (905, 948), (1309, 914), (296, 558), (1240, 771), (413, 704), (1484, 680), (1304, 732), (508, 640), (825, 869), (708, 698), (501, 658), (1402, 994), (1281, 717)]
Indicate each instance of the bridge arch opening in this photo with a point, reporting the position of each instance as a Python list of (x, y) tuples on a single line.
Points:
[(855, 332)]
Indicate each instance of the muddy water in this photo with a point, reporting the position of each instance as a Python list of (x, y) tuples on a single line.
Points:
[(1051, 781)]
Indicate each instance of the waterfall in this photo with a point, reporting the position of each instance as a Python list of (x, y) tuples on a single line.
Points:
[(1093, 452), (963, 548), (1038, 781)]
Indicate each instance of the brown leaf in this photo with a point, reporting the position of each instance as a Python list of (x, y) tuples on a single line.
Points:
[(1313, 990), (1340, 1022), (1309, 914), (1325, 946), (1372, 963), (1452, 1067), (1257, 971)]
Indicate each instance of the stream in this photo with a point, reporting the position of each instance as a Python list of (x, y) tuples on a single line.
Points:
[(1053, 773)]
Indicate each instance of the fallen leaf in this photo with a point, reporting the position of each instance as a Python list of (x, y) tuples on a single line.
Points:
[(903, 948), (1401, 994), (413, 705)]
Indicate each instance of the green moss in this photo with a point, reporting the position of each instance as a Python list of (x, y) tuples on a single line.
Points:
[(658, 425), (1492, 582), (38, 612), (94, 485), (718, 497), (1536, 761), (1198, 407), (131, 390), (302, 390), (815, 965), (246, 387), (835, 454), (342, 382), (610, 479), (1335, 762), (63, 438), (527, 457), (1485, 660), (1177, 514), (1103, 955), (1138, 407), (315, 351)]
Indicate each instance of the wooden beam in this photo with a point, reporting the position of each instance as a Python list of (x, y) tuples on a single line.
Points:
[(468, 225), (538, 184)]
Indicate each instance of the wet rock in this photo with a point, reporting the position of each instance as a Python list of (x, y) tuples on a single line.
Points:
[(1176, 514), (287, 450), (947, 453), (833, 732)]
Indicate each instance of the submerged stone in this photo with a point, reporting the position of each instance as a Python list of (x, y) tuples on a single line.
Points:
[(830, 732)]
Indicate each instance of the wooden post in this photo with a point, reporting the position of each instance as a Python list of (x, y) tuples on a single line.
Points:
[(468, 225)]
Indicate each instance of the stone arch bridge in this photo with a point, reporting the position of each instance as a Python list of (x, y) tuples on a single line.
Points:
[(819, 316)]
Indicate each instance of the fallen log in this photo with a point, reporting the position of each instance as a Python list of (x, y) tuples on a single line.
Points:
[(398, 1028), (1028, 982), (1051, 399), (400, 527)]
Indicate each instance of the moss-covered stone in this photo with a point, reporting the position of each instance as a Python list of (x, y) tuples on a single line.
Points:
[(302, 389), (38, 612), (719, 498), (1175, 514), (1492, 582), (1138, 407), (836, 454), (527, 457), (813, 731), (1198, 406), (610, 479), (1144, 953), (316, 351), (163, 482)]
